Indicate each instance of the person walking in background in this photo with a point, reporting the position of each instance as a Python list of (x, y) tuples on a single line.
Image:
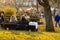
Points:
[(57, 19)]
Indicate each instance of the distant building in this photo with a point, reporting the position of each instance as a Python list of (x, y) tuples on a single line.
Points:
[(18, 2), (26, 2)]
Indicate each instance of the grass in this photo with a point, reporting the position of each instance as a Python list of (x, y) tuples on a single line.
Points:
[(28, 35)]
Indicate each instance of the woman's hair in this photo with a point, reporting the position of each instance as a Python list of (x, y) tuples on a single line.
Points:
[(1, 12), (23, 18), (13, 18)]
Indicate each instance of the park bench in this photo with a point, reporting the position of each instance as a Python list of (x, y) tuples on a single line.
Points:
[(12, 26), (8, 25)]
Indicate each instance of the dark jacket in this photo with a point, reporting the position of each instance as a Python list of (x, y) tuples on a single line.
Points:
[(23, 21), (1, 19), (57, 18)]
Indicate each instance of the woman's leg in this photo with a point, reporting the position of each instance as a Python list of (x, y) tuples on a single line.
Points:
[(59, 24), (56, 24)]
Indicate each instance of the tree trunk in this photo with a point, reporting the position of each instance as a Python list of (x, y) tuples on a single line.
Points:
[(48, 18)]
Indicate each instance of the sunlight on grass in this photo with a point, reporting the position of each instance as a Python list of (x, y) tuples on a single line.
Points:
[(26, 35)]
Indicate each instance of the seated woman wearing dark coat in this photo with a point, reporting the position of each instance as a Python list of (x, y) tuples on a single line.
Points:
[(23, 21), (1, 17)]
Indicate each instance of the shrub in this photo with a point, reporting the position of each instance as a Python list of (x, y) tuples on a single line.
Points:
[(10, 11)]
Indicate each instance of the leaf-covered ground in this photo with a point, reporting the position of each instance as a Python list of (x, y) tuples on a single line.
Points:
[(28, 35)]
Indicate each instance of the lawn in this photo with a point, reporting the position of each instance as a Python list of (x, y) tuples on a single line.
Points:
[(28, 35)]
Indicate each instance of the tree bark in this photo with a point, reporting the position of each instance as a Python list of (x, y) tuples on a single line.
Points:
[(48, 18), (48, 15)]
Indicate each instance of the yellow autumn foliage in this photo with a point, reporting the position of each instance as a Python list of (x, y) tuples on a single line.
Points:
[(24, 35), (27, 35), (10, 10), (1, 9)]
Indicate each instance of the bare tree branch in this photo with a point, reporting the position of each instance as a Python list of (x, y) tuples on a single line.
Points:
[(40, 2), (46, 2)]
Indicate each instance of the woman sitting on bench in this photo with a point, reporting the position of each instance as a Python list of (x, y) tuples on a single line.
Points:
[(23, 20), (1, 17), (33, 26), (13, 19)]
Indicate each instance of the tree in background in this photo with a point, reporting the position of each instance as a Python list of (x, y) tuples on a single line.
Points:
[(48, 15)]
